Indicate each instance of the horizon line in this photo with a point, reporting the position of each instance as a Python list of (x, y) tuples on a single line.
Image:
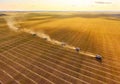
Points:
[(57, 11)]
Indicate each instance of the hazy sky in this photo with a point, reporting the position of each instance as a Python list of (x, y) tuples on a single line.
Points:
[(61, 5)]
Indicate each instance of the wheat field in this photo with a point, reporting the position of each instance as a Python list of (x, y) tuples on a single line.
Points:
[(29, 59)]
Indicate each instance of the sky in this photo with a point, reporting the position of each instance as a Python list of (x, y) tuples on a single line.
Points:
[(60, 5)]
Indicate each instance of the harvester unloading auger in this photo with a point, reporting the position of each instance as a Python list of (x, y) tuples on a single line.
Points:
[(10, 22)]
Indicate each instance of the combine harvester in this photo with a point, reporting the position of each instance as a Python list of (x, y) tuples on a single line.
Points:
[(98, 57), (34, 34)]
